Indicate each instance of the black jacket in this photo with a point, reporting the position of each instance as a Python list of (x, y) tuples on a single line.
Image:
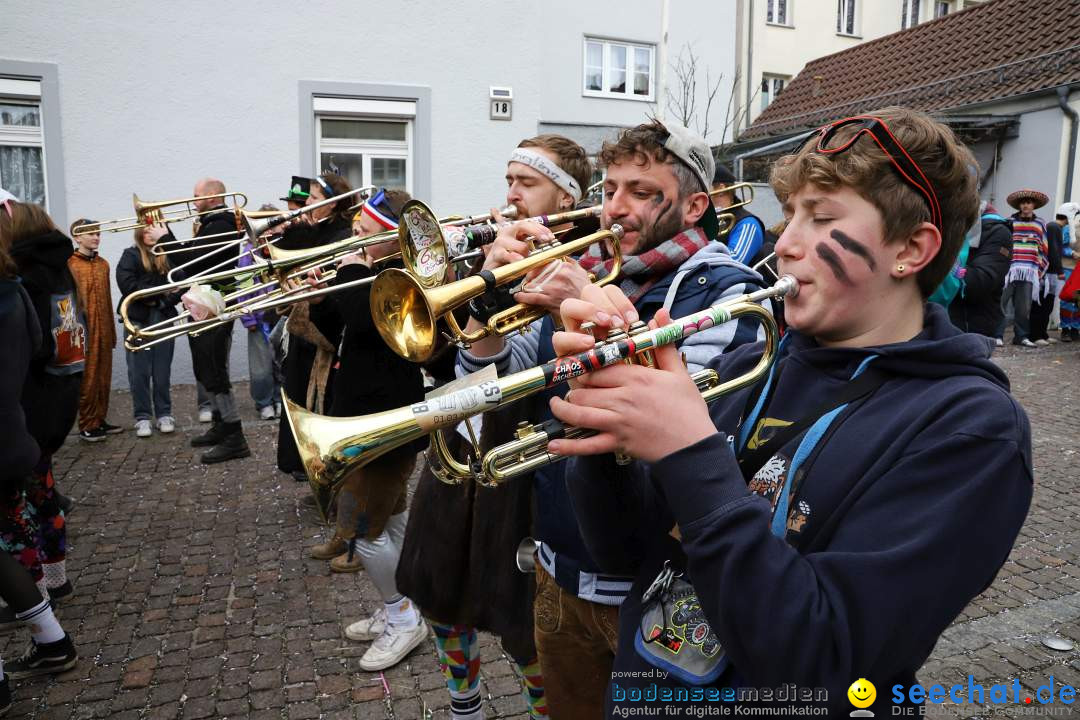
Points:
[(1053, 244), (132, 276), (977, 308), (223, 221), (21, 335), (42, 263)]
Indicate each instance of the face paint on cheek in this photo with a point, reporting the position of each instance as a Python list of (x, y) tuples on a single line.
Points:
[(854, 247), (830, 258)]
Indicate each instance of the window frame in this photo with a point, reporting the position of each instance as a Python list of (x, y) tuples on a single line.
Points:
[(910, 13), (841, 6), (28, 136), (773, 7), (605, 45), (367, 149), (772, 79), (937, 6), (47, 97)]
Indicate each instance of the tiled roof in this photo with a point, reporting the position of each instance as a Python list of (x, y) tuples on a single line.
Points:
[(1000, 49)]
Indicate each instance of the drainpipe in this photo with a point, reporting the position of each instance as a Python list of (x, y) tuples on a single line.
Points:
[(749, 61), (1063, 101), (662, 61)]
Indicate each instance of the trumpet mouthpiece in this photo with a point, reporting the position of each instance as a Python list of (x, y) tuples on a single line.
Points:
[(790, 285), (617, 230)]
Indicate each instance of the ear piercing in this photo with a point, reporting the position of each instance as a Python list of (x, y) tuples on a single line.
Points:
[(900, 268)]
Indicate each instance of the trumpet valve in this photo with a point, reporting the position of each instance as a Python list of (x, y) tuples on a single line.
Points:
[(524, 430)]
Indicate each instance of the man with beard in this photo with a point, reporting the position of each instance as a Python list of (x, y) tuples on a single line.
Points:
[(657, 184)]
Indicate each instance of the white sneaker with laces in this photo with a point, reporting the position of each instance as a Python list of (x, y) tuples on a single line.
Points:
[(267, 413), (393, 646), (368, 628), (142, 428), (1042, 343), (1027, 343), (205, 415), (166, 424)]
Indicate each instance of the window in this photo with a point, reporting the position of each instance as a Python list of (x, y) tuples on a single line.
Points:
[(776, 12), (771, 85), (941, 9), (618, 69), (845, 17), (369, 142), (22, 142), (909, 13)]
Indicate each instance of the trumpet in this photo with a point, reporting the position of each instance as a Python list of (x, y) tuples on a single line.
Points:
[(405, 309), (331, 447), (147, 214)]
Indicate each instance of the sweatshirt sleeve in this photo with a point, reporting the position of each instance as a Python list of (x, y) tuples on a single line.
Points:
[(930, 533), (745, 240), (701, 347), (520, 351)]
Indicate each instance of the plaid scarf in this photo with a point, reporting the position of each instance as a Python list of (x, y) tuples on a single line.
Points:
[(641, 272)]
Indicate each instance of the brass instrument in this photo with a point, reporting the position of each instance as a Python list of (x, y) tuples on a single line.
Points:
[(147, 214), (405, 309), (742, 191), (332, 447)]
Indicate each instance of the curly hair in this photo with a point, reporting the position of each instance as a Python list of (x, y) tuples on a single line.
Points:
[(643, 145), (865, 168)]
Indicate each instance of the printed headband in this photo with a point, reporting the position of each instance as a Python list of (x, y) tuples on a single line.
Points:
[(544, 166), (383, 216), (327, 190)]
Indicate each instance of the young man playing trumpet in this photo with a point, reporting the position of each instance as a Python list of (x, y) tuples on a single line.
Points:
[(656, 189), (786, 533)]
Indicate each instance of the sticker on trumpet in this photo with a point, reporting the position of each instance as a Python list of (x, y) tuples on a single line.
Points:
[(450, 407)]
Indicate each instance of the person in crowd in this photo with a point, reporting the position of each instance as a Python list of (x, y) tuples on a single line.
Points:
[(51, 649), (265, 391), (299, 191), (91, 273), (210, 349), (746, 238), (658, 177), (371, 507), (149, 370), (455, 563), (787, 526), (1070, 313), (977, 308), (1026, 277), (50, 393), (1042, 308), (313, 331)]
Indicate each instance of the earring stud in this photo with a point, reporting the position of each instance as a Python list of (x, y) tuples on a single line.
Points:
[(900, 268)]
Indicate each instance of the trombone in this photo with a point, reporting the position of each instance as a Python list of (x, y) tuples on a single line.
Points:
[(147, 214), (743, 192), (332, 447), (405, 307)]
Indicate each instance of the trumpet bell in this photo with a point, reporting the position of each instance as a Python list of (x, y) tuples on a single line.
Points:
[(404, 316)]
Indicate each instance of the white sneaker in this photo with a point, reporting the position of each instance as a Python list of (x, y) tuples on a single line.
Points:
[(166, 424), (998, 342), (142, 428), (392, 646), (267, 413), (1027, 343), (368, 628), (205, 416), (1042, 343)]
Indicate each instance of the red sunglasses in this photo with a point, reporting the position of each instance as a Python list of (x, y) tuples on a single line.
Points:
[(878, 131)]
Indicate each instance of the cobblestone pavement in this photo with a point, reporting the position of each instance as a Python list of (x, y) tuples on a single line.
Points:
[(195, 597)]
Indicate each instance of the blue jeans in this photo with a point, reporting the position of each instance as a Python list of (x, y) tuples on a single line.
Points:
[(151, 366), (264, 387)]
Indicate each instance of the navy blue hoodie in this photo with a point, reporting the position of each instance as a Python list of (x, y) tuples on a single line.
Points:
[(899, 514)]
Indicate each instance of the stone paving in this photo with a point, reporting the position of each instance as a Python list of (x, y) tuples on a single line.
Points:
[(196, 599)]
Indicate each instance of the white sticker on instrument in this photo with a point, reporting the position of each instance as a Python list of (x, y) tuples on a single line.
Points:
[(451, 408)]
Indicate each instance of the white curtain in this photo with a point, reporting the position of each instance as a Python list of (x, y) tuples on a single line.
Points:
[(22, 173)]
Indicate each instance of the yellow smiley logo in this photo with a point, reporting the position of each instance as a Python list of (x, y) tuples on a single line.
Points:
[(862, 693)]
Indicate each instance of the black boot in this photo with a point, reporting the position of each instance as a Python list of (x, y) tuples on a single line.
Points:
[(213, 436), (5, 695), (232, 446)]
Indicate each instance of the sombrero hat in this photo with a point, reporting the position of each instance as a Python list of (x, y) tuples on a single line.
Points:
[(1035, 196)]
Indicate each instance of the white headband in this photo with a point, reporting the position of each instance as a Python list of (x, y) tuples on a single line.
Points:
[(548, 169)]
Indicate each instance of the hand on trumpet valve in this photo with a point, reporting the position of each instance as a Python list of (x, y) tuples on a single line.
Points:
[(512, 243), (646, 413)]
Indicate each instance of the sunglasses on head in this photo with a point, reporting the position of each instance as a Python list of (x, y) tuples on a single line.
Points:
[(829, 144)]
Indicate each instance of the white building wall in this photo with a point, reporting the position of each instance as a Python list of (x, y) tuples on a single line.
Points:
[(154, 97)]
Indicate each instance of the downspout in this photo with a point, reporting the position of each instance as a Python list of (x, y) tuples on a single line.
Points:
[(661, 90), (749, 61), (1063, 101)]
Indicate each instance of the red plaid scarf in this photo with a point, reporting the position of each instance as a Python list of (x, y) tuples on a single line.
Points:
[(641, 272)]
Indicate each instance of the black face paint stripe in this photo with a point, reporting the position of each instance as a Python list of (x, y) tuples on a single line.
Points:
[(830, 258), (854, 247)]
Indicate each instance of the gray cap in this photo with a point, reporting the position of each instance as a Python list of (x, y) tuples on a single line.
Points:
[(695, 154), (692, 149)]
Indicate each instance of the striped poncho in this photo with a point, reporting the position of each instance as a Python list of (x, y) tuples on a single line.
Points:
[(1030, 255)]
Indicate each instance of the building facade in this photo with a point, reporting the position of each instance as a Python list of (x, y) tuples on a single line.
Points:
[(106, 99)]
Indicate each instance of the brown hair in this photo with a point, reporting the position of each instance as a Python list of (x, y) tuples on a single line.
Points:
[(339, 185), (644, 145), (8, 268), (25, 221), (396, 199), (151, 262), (569, 156), (91, 226), (865, 168)]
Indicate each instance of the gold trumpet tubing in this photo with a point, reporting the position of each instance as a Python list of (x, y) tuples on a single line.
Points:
[(529, 452), (150, 213), (727, 221), (746, 189), (331, 447), (405, 312)]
